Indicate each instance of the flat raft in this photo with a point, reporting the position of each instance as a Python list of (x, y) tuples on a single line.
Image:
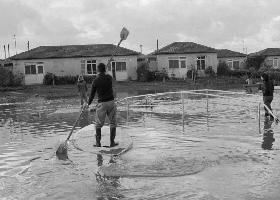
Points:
[(84, 139)]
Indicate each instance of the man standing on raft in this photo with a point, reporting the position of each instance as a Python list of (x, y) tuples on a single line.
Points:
[(106, 104)]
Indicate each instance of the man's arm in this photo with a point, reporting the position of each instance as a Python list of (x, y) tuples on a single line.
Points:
[(92, 93)]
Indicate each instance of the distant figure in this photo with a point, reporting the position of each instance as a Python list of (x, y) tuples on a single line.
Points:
[(82, 89), (267, 89), (106, 106), (164, 72), (268, 138), (249, 80)]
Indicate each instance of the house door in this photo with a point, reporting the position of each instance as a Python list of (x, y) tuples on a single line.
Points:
[(34, 74), (114, 70)]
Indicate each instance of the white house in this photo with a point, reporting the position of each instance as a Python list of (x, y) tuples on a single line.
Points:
[(271, 57), (235, 60), (179, 57), (74, 60)]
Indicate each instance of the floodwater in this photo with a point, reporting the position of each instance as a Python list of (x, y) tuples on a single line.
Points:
[(218, 150)]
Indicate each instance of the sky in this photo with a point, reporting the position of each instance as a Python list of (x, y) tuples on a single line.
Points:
[(238, 25)]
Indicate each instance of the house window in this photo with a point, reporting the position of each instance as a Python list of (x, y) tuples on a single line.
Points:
[(40, 69), (119, 66), (201, 62), (233, 64), (30, 69), (230, 64), (91, 66), (275, 62), (177, 63), (173, 64), (183, 63)]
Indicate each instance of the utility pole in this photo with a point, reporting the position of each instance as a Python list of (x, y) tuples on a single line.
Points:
[(9, 50), (27, 45), (141, 48), (5, 51), (15, 43)]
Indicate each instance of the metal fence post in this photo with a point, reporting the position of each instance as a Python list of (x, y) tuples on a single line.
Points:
[(127, 110), (183, 110), (207, 99), (259, 117), (207, 108)]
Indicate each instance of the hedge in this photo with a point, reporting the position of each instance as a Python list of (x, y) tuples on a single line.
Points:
[(50, 79), (7, 78)]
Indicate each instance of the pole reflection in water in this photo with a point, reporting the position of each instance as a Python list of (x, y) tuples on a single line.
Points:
[(268, 138), (108, 187)]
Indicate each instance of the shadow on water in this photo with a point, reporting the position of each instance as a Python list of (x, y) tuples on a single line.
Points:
[(108, 187), (268, 138)]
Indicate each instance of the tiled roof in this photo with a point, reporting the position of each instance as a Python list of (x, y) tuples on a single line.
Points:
[(185, 48), (225, 53), (73, 51), (267, 52)]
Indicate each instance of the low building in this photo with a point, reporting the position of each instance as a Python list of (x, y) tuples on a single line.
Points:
[(270, 56), (179, 57), (74, 60), (235, 60)]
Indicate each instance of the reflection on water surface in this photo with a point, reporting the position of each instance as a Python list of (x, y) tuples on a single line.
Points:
[(219, 155)]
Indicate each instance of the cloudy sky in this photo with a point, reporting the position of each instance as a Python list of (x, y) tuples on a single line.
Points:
[(230, 24)]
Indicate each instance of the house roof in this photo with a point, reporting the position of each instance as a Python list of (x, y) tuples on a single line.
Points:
[(225, 53), (73, 51), (267, 52), (184, 48)]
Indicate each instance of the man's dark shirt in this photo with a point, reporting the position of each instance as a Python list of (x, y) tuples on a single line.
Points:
[(103, 86), (268, 88)]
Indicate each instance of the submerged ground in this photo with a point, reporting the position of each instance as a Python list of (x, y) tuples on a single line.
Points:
[(219, 150)]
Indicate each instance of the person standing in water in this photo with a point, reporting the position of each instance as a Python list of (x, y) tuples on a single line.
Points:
[(103, 86), (267, 89), (82, 89)]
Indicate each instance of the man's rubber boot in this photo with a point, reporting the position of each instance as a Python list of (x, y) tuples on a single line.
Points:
[(112, 137), (98, 137)]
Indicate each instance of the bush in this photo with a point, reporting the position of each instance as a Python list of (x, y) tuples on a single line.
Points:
[(209, 71), (159, 75), (254, 62), (89, 78), (143, 73), (50, 78), (223, 69), (238, 73), (63, 80), (17, 79), (7, 78)]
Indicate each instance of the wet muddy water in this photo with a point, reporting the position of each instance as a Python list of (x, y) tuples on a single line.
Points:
[(218, 150)]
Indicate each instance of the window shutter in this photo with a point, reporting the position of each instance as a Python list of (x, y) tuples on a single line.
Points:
[(83, 66)]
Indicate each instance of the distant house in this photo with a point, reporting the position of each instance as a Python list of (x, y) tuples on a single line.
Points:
[(271, 57), (235, 60), (179, 57), (74, 60)]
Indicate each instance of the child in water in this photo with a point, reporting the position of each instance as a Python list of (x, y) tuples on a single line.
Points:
[(82, 89)]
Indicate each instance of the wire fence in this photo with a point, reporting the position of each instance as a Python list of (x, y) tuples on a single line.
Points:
[(206, 102)]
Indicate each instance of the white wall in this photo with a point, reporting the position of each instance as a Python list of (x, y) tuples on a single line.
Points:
[(191, 59), (72, 66), (269, 61), (241, 60)]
